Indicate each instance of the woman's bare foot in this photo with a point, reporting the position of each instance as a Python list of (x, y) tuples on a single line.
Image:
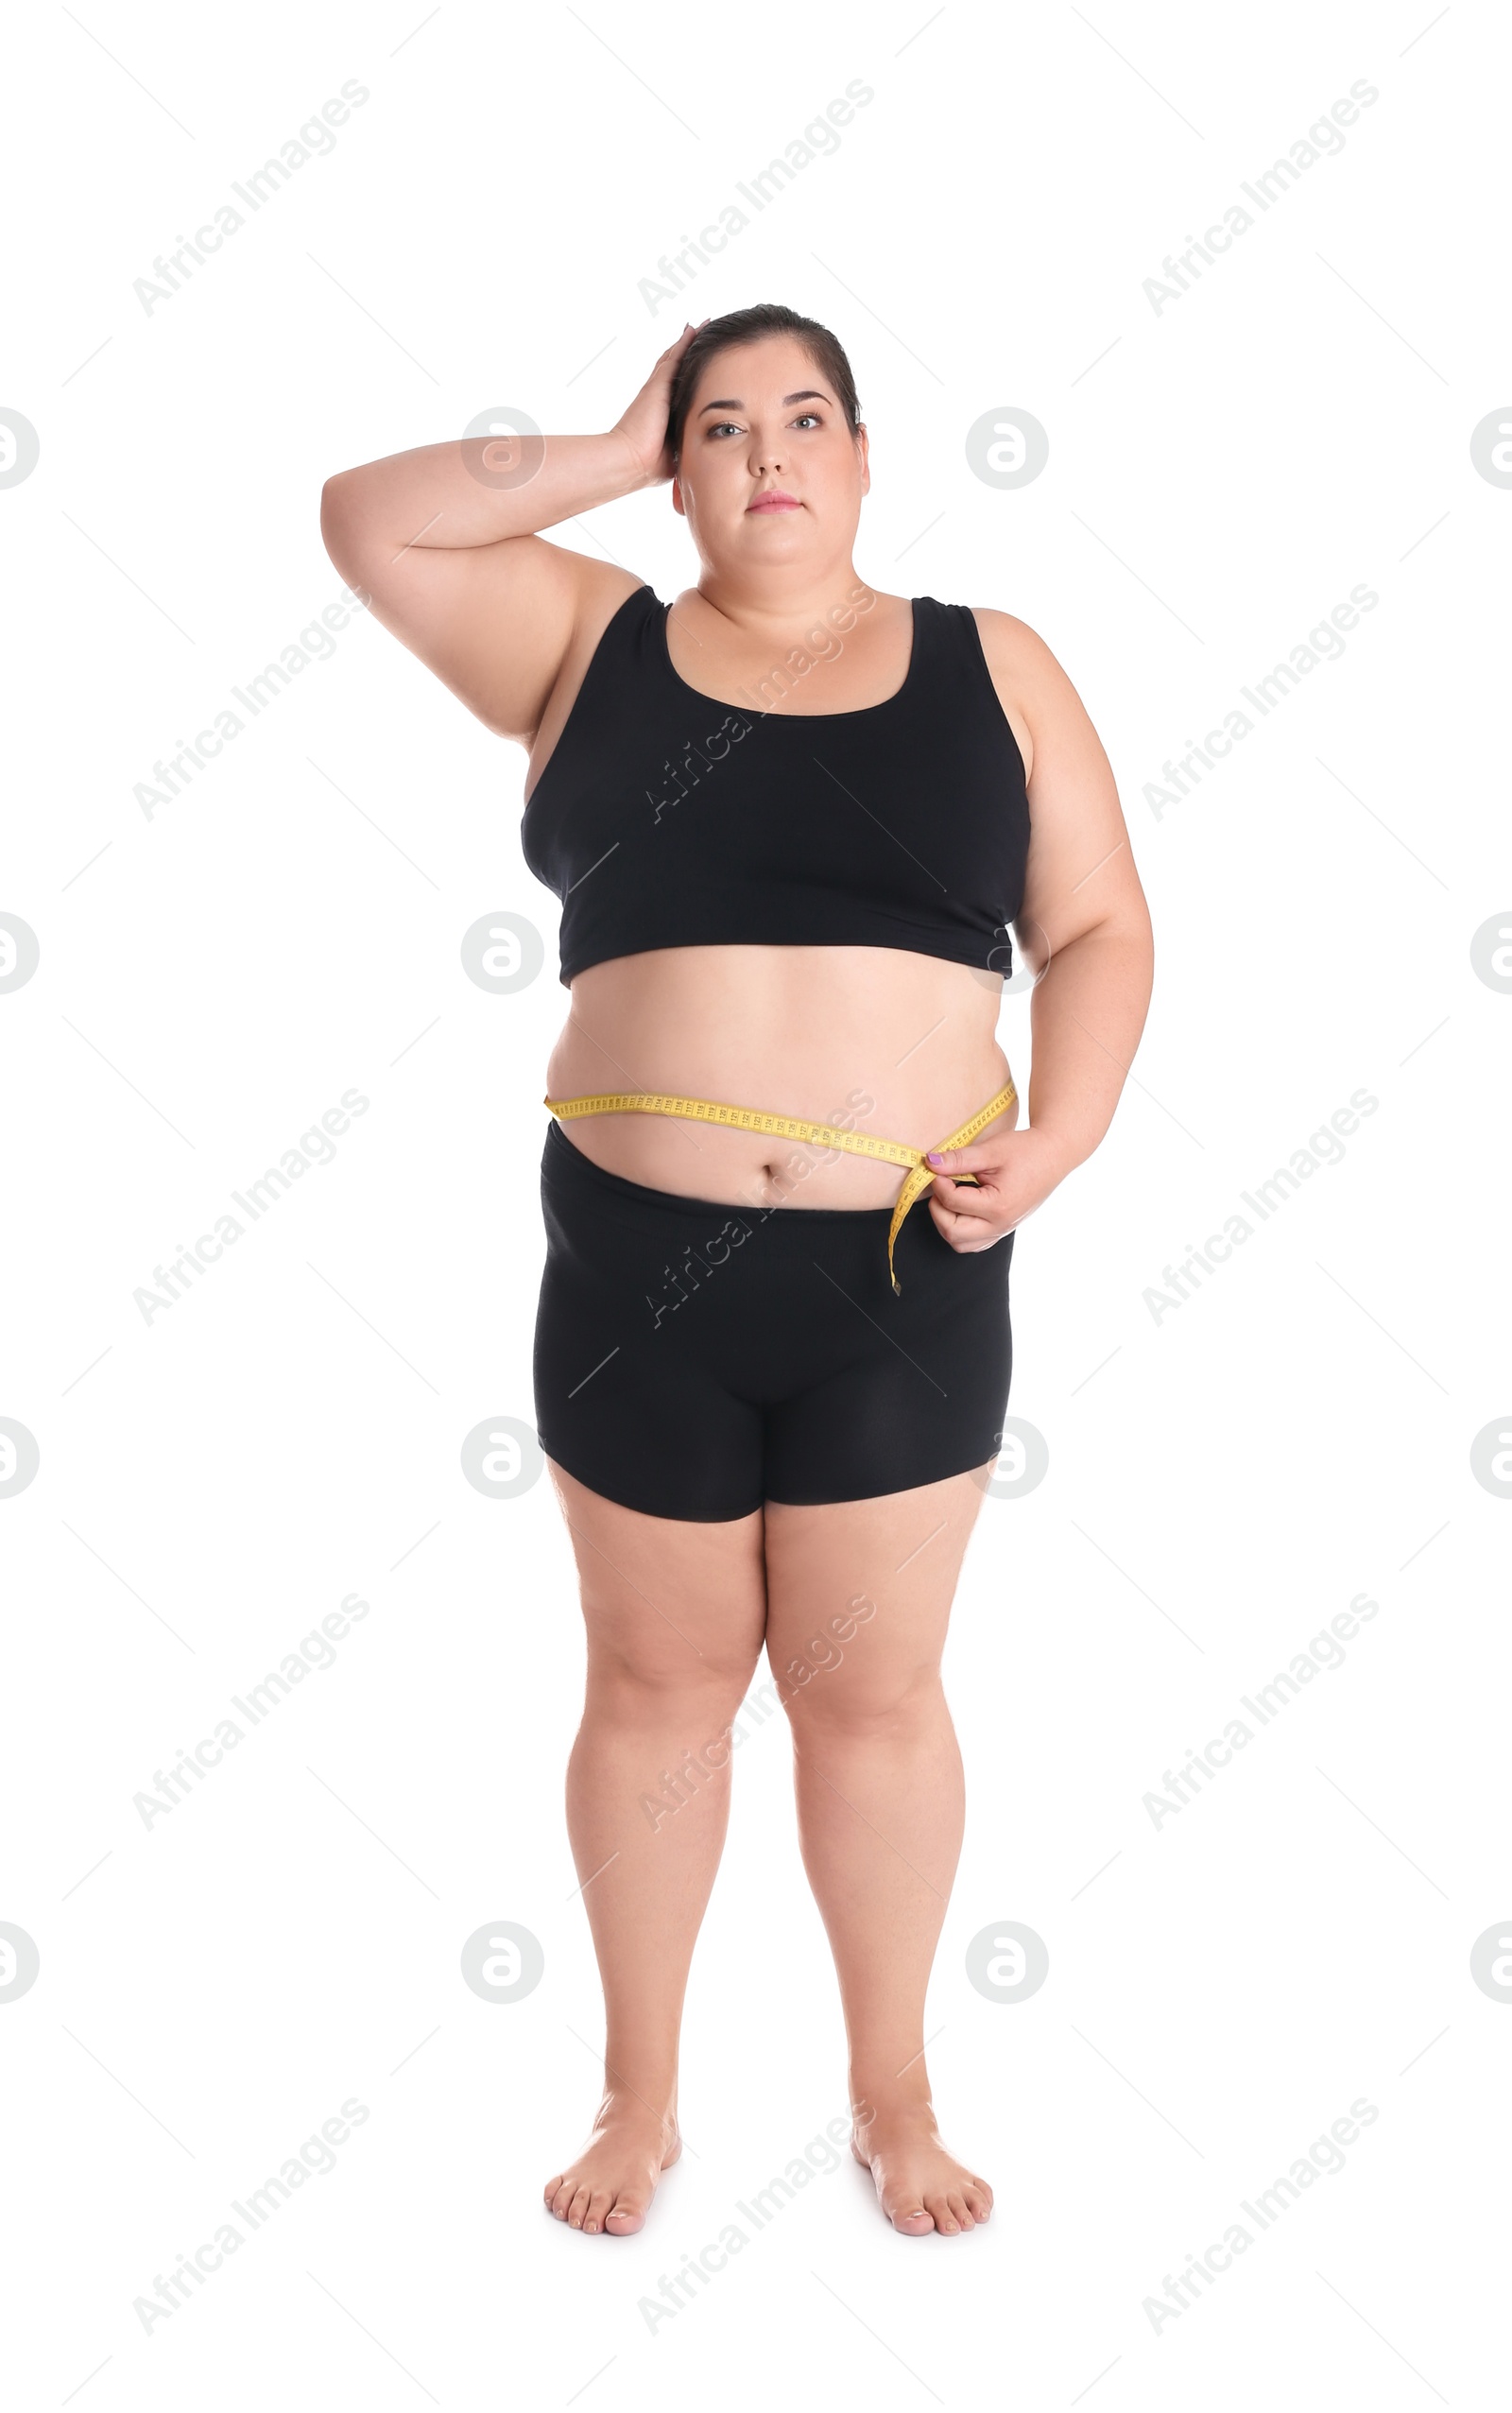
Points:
[(614, 2179), (918, 2185)]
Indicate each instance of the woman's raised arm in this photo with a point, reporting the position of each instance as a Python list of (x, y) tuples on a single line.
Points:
[(445, 539)]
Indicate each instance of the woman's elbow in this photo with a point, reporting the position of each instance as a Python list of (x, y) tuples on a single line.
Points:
[(338, 521)]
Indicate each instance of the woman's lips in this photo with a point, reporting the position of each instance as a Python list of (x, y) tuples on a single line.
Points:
[(774, 503)]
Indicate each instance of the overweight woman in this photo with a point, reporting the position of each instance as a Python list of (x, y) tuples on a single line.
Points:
[(796, 825)]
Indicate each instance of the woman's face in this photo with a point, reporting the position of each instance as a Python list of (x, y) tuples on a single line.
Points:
[(765, 423)]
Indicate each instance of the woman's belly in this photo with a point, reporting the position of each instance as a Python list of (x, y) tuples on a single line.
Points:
[(873, 1039)]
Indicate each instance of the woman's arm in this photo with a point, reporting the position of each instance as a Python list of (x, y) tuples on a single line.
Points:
[(454, 566), (1085, 926), (1084, 929)]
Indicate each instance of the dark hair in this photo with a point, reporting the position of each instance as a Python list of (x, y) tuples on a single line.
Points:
[(748, 326)]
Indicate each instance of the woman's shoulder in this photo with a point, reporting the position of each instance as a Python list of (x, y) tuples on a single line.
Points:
[(1013, 649), (1022, 670), (1009, 641)]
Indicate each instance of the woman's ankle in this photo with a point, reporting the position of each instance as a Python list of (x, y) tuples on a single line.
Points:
[(894, 2094), (649, 2102)]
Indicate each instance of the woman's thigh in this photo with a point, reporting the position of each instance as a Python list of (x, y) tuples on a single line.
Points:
[(859, 1594), (858, 1591), (668, 1601)]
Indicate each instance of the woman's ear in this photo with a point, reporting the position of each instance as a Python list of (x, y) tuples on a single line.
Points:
[(677, 497), (864, 441)]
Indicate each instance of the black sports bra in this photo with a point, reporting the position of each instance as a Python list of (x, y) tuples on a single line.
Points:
[(665, 818)]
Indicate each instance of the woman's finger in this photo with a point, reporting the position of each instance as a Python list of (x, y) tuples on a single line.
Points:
[(978, 1205), (966, 1234), (986, 1157)]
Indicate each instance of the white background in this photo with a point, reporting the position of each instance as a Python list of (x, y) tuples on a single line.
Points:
[(1222, 1481)]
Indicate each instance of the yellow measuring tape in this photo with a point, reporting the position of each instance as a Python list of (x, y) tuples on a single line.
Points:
[(747, 1118)]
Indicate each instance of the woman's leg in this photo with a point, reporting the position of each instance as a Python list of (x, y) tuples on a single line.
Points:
[(675, 1613), (858, 1599)]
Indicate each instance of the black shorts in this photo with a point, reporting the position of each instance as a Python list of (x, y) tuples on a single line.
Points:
[(694, 1359)]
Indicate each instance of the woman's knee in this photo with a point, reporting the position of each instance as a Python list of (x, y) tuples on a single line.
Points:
[(654, 1683), (848, 1698)]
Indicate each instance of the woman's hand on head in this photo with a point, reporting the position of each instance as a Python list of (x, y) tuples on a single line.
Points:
[(1016, 1172), (643, 425)]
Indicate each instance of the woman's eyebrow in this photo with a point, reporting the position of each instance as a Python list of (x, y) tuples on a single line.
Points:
[(730, 403)]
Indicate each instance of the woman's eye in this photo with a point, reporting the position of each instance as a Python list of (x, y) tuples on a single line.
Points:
[(730, 427)]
